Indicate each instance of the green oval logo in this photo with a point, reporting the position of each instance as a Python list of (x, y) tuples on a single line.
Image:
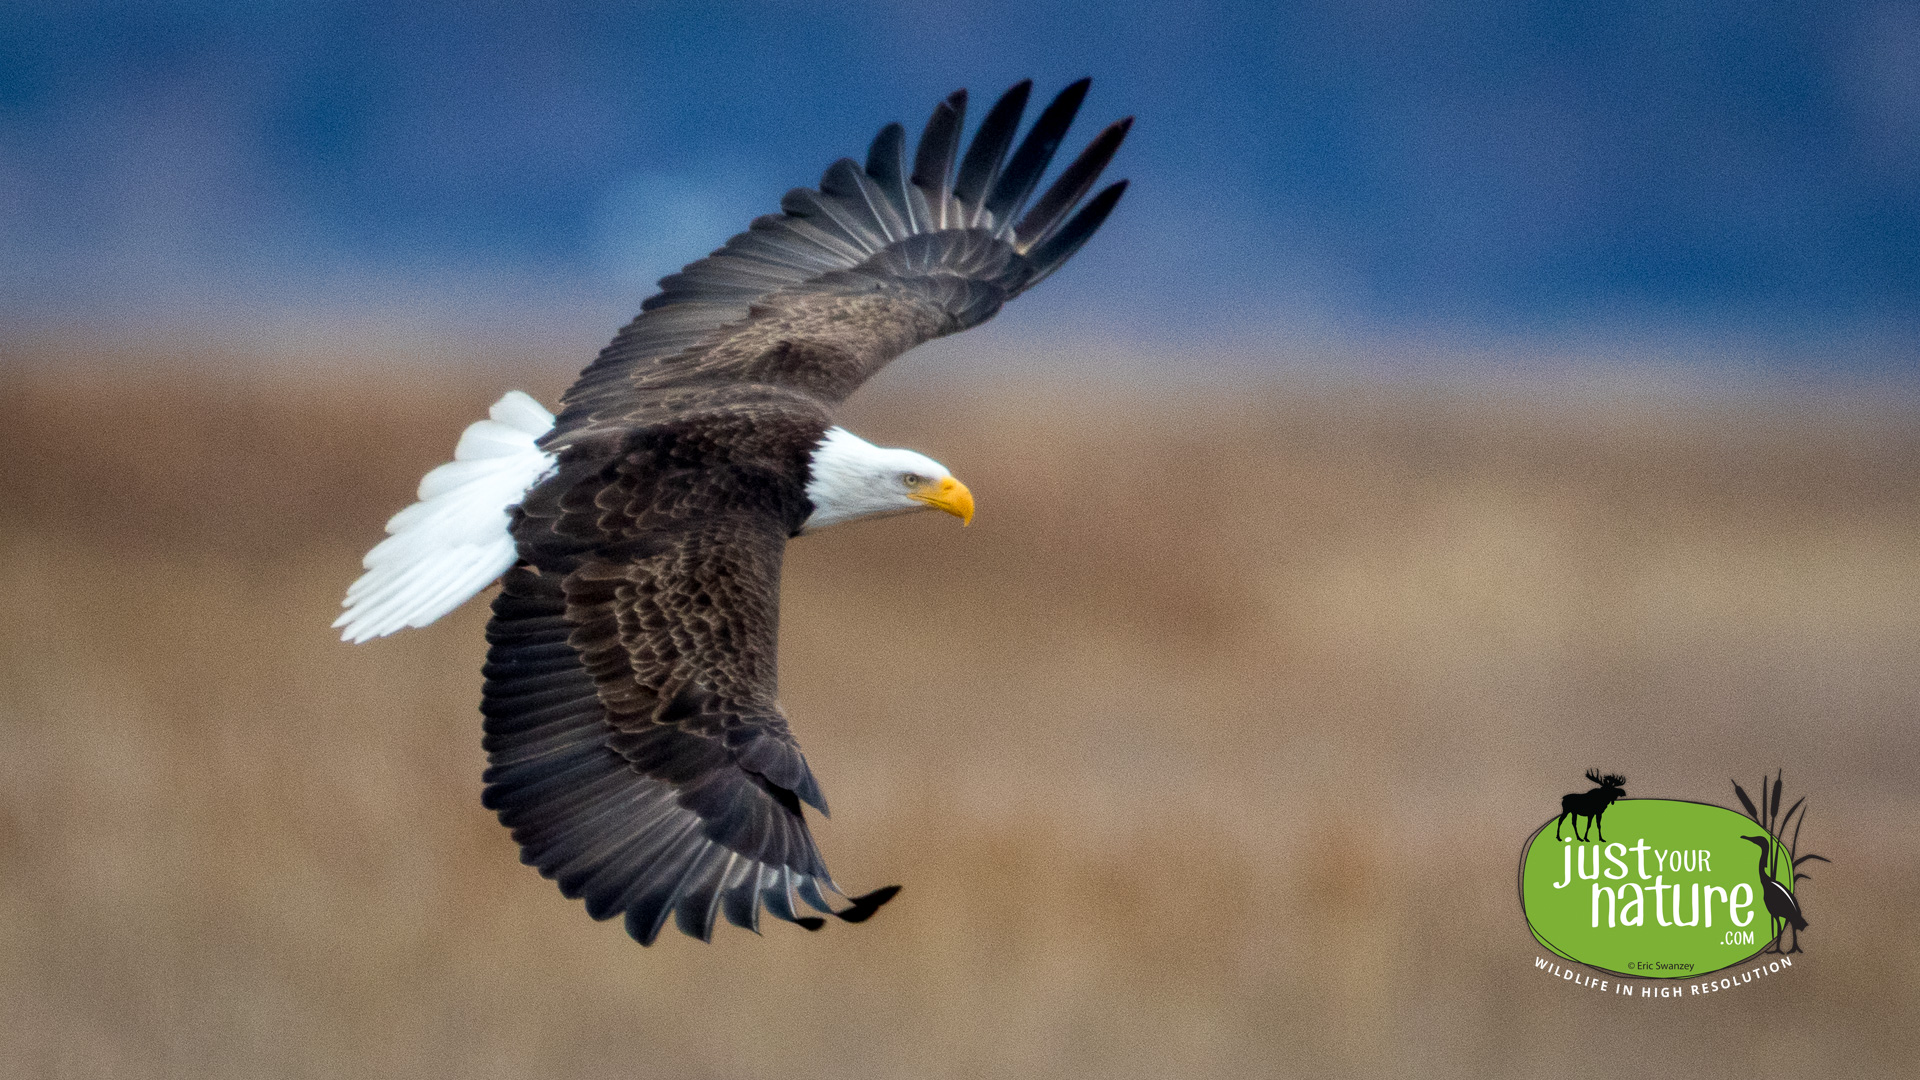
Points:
[(1676, 889)]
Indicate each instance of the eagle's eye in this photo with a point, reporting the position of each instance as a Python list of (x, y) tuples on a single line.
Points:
[(912, 479)]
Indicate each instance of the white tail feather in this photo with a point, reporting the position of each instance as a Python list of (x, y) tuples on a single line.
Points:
[(453, 542)]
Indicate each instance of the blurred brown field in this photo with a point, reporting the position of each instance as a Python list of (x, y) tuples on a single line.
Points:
[(1207, 751)]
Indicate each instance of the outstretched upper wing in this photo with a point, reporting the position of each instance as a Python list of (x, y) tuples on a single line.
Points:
[(852, 275)]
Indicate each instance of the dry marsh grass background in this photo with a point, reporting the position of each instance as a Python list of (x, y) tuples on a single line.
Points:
[(1208, 751)]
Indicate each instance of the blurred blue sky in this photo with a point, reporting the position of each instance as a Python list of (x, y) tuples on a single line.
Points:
[(1747, 171)]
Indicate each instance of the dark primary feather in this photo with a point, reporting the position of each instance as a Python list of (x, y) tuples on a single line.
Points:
[(933, 161), (1051, 253), (886, 164), (988, 151), (1075, 182), (636, 745), (1030, 162)]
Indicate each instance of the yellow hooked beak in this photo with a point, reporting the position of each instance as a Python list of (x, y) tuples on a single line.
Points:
[(950, 495)]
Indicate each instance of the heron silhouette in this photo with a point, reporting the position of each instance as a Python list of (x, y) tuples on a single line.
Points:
[(1780, 903)]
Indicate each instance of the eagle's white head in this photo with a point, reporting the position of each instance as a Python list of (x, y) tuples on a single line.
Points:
[(851, 478)]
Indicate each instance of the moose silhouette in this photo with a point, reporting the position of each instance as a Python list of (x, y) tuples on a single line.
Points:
[(1590, 804)]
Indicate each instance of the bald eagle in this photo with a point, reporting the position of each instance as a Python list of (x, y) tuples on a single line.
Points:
[(636, 748)]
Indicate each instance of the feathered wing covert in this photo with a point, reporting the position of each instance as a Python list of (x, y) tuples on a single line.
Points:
[(637, 750)]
